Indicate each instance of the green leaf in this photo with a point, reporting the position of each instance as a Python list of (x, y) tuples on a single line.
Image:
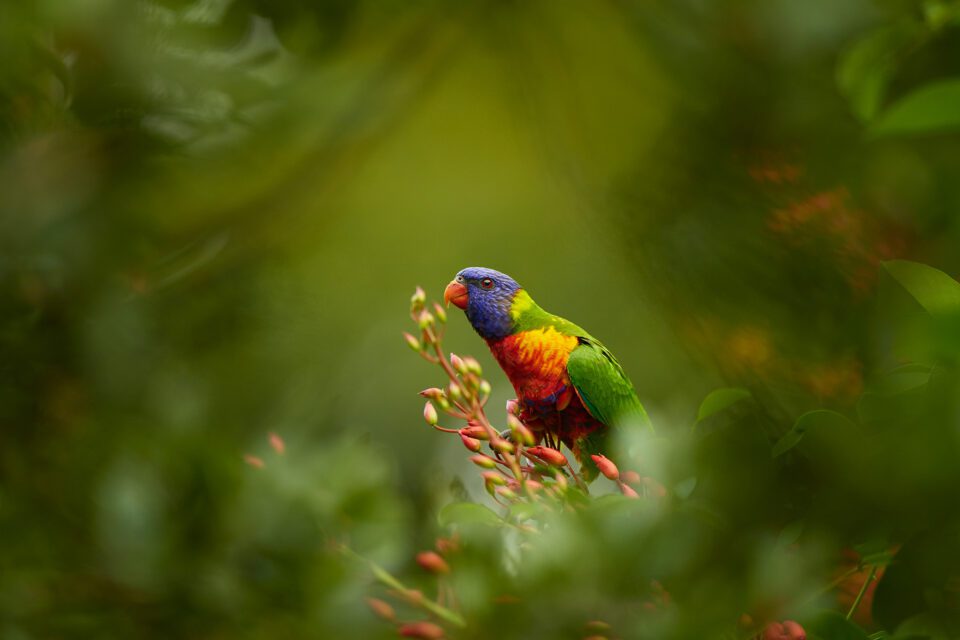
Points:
[(936, 292), (930, 109), (789, 440), (684, 488), (919, 581), (865, 69), (823, 425), (719, 400), (467, 513), (923, 627), (831, 625)]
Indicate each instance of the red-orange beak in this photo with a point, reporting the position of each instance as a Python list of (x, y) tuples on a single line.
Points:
[(457, 294)]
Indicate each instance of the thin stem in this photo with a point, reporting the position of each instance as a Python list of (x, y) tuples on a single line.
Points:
[(389, 580), (863, 590)]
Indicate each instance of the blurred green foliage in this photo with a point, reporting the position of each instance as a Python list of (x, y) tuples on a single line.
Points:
[(212, 213)]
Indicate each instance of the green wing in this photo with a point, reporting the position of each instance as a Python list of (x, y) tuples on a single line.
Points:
[(602, 385)]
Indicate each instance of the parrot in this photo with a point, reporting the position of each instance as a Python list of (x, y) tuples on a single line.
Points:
[(570, 389)]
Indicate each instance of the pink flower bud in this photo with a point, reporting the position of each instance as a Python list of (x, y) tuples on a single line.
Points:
[(440, 312), (492, 477), (484, 462), (628, 491), (448, 545), (654, 487), (430, 413), (630, 477), (457, 363), (606, 467), (381, 608), (418, 295), (561, 481), (513, 407), (423, 630), (470, 443), (432, 562), (455, 391), (425, 319), (472, 366), (794, 631), (501, 445), (412, 342), (417, 300), (519, 431), (548, 455), (277, 443), (509, 494), (533, 486), (253, 461), (774, 631), (432, 393)]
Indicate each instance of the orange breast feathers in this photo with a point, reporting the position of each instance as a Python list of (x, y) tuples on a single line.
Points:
[(535, 361)]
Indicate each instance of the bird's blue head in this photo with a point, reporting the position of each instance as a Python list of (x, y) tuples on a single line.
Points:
[(487, 297)]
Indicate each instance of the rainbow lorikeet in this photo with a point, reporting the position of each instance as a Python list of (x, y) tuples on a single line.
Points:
[(569, 386)]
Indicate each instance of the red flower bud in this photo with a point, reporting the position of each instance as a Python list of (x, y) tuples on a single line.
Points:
[(485, 462), (430, 413), (630, 477), (548, 455), (432, 562), (606, 467), (424, 630), (794, 631), (774, 631), (381, 608), (475, 431), (470, 443)]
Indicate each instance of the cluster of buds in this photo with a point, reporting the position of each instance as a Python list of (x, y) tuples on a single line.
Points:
[(513, 467), (441, 616), (516, 466), (628, 481)]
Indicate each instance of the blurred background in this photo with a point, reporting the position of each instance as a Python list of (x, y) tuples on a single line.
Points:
[(213, 213)]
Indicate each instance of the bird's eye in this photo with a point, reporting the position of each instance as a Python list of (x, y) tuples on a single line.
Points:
[(460, 279), (486, 283)]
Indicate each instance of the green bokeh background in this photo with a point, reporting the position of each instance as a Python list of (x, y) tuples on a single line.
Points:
[(212, 215)]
